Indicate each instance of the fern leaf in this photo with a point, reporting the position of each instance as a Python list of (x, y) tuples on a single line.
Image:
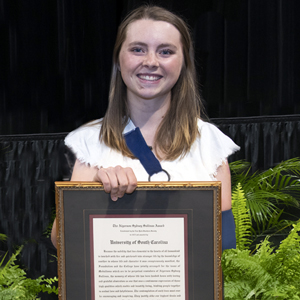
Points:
[(242, 218), (288, 257)]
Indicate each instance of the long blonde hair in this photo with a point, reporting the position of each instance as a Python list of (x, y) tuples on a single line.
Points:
[(178, 129)]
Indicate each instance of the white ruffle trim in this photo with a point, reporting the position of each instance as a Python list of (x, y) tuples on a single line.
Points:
[(206, 155), (215, 147)]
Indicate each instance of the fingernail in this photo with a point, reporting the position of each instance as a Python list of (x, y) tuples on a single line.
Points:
[(114, 198)]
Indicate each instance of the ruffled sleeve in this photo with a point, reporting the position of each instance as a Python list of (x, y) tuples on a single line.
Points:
[(215, 146), (84, 143)]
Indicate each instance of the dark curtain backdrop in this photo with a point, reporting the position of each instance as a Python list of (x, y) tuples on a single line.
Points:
[(55, 58)]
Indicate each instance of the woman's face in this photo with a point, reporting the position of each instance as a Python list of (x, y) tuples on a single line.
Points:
[(150, 59)]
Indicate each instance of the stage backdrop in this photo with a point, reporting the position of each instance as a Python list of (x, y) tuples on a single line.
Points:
[(56, 58)]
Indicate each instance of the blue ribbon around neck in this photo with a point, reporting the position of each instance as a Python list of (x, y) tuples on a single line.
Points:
[(137, 145)]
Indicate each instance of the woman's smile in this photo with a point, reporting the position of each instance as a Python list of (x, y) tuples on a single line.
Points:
[(149, 77)]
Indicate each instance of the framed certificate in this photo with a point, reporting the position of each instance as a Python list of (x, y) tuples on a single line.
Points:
[(162, 242)]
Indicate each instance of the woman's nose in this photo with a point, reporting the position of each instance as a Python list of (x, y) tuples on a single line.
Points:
[(150, 60)]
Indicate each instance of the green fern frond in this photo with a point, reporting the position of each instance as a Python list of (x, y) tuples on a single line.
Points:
[(291, 242), (10, 263), (242, 218), (3, 237), (290, 264), (265, 274), (246, 271), (14, 283)]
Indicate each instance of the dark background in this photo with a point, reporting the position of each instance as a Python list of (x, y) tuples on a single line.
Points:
[(55, 58)]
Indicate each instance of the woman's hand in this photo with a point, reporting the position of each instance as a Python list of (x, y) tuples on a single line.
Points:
[(117, 181)]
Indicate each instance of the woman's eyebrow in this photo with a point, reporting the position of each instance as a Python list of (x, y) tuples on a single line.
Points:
[(146, 45), (137, 43), (167, 45)]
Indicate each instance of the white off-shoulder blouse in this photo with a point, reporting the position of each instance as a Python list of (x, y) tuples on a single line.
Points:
[(207, 153)]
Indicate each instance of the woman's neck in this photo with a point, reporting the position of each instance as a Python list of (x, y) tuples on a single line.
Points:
[(147, 115)]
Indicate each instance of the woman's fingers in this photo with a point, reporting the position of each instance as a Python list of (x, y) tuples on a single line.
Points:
[(132, 181), (117, 181), (102, 176)]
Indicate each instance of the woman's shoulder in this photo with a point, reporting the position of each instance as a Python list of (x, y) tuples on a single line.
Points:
[(211, 134), (208, 130), (89, 131), (88, 128), (85, 143), (214, 146), (206, 125)]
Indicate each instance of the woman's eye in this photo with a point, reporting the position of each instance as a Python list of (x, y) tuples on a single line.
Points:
[(137, 50), (166, 52)]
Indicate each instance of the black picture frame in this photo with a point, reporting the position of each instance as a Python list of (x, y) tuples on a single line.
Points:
[(199, 202)]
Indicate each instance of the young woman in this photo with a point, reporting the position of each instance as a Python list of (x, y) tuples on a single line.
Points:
[(153, 88)]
